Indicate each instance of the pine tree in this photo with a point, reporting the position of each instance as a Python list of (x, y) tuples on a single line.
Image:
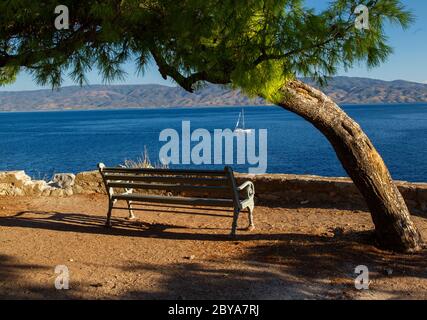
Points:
[(257, 46)]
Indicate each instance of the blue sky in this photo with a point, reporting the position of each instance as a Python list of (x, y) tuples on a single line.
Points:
[(408, 62)]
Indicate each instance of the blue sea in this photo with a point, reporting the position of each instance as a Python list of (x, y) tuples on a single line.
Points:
[(43, 143)]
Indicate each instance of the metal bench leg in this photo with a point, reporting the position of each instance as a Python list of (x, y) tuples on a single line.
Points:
[(251, 217), (131, 214), (234, 225), (108, 223)]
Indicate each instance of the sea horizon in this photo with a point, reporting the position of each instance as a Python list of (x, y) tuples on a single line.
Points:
[(203, 107)]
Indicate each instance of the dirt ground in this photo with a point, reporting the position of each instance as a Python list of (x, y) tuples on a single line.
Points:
[(184, 253)]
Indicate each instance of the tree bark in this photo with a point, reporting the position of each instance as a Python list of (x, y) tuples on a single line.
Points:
[(393, 226)]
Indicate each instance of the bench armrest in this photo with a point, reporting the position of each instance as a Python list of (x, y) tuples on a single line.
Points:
[(249, 187)]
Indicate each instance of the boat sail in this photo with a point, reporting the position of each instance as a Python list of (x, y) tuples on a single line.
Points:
[(240, 125)]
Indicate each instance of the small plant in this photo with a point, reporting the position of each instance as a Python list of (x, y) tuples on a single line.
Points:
[(143, 162)]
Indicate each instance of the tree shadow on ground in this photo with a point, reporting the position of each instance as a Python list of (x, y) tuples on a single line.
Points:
[(14, 283), (280, 266), (10, 268), (297, 267), (17, 282), (83, 223), (293, 266)]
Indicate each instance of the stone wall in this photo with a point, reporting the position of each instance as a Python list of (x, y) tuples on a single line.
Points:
[(276, 189), (270, 189), (18, 183)]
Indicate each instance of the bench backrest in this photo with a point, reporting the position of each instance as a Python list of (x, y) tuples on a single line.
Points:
[(171, 180)]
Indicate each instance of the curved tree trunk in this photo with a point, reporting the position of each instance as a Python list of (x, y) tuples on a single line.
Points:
[(393, 226)]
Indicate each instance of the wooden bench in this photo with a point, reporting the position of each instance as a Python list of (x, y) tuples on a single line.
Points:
[(218, 189)]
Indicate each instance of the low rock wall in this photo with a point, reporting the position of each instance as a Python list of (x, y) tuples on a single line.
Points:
[(271, 189)]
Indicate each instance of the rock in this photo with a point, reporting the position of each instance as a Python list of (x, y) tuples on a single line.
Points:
[(46, 192), (68, 192), (63, 180), (35, 187), (77, 189), (7, 189), (18, 192), (57, 193), (90, 182), (17, 178)]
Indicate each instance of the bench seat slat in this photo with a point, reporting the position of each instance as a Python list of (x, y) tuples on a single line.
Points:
[(179, 179), (174, 187), (166, 171), (174, 200)]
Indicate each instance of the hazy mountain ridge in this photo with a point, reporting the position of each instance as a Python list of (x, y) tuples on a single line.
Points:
[(349, 90), (344, 90)]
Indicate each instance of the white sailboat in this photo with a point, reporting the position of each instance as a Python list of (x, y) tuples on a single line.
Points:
[(240, 125)]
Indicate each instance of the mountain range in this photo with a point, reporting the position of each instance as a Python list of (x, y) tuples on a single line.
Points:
[(344, 90)]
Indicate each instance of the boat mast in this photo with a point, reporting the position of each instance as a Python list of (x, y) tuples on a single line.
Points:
[(243, 118), (238, 121)]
